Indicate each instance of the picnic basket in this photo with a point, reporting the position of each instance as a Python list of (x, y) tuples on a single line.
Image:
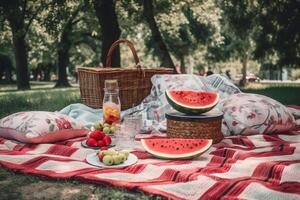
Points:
[(134, 83)]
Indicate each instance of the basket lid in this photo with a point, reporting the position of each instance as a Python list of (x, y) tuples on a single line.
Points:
[(213, 114)]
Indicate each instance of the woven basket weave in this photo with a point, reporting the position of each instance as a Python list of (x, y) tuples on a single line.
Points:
[(134, 83), (207, 127)]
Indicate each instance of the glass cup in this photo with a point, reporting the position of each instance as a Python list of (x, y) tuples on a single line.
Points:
[(126, 132)]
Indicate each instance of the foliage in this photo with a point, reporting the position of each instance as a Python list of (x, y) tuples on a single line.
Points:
[(206, 32), (279, 31)]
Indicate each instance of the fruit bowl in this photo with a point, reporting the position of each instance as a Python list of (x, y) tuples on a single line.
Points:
[(94, 160), (97, 139), (83, 144)]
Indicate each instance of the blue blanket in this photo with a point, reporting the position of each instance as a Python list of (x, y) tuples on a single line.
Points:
[(86, 115)]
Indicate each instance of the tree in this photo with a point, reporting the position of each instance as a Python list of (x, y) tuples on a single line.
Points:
[(239, 23), (279, 35), (63, 48), (20, 14), (6, 67), (191, 27), (60, 21), (157, 39), (176, 24), (110, 31)]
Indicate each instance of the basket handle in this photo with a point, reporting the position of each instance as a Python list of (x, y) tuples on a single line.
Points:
[(113, 47)]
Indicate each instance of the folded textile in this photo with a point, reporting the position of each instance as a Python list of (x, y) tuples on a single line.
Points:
[(153, 108), (86, 115)]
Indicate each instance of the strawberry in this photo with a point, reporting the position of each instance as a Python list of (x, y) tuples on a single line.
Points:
[(107, 140), (97, 135), (91, 142), (103, 148), (100, 143), (101, 157)]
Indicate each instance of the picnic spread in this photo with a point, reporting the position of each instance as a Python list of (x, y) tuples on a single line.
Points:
[(239, 167), (177, 136)]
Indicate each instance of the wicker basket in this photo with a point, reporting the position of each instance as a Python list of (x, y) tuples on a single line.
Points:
[(207, 125), (134, 83)]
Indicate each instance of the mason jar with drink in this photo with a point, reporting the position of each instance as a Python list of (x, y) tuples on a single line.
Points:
[(111, 102)]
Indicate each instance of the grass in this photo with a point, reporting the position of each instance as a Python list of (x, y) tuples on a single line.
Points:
[(19, 186), (44, 97), (39, 99), (287, 94)]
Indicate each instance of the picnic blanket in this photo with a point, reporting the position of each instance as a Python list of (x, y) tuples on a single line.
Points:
[(240, 167)]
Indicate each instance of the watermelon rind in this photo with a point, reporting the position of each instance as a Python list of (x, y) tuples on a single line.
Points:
[(185, 156), (192, 110)]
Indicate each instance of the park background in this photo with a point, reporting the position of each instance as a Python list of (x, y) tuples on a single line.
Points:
[(43, 42)]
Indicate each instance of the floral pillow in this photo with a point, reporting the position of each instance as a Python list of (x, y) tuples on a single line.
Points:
[(246, 113), (40, 127)]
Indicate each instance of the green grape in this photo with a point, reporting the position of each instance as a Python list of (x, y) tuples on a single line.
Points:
[(106, 130), (108, 160)]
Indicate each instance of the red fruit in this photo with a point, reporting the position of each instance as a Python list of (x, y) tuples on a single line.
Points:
[(101, 157), (91, 142), (103, 148), (107, 140), (100, 143), (111, 119), (97, 135)]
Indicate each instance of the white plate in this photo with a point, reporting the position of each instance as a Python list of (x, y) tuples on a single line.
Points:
[(94, 160)]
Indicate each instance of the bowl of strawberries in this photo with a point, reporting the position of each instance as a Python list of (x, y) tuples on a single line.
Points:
[(99, 137)]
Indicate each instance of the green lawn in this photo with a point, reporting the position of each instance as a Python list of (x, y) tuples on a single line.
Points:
[(44, 97), (286, 94)]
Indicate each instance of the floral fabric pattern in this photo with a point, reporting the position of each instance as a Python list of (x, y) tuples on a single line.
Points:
[(154, 107), (246, 113), (38, 123)]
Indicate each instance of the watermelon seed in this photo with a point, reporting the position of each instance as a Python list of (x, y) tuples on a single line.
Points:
[(161, 145), (177, 148)]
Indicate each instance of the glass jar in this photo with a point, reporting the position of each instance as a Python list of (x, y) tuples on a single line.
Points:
[(111, 102)]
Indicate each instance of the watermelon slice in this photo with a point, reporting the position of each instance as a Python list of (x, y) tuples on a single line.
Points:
[(191, 102), (176, 148)]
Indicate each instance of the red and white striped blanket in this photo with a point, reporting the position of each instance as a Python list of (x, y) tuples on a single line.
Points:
[(241, 167)]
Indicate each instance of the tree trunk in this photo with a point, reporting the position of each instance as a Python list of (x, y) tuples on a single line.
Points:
[(20, 51), (280, 72), (14, 14), (160, 46), (182, 65), (62, 64), (63, 49), (47, 71), (244, 71), (106, 14), (6, 68)]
